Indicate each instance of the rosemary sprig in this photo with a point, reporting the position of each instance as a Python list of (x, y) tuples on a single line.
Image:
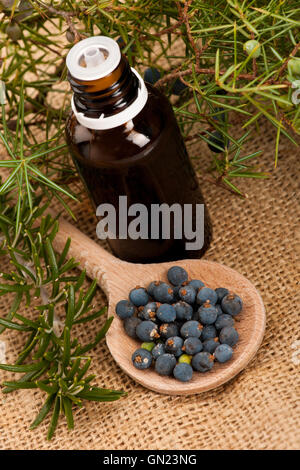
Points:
[(56, 363)]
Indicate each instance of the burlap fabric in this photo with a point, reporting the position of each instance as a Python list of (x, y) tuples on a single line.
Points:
[(259, 409)]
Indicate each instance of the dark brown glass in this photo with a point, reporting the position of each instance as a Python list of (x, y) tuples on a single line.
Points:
[(111, 165)]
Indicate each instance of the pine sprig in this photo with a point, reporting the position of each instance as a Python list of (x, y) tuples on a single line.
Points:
[(214, 34)]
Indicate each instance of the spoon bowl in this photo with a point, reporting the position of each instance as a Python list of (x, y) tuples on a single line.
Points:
[(118, 277)]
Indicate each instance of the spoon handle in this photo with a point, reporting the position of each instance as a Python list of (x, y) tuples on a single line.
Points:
[(91, 256)]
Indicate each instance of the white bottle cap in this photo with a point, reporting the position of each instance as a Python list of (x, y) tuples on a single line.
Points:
[(94, 58), (83, 59)]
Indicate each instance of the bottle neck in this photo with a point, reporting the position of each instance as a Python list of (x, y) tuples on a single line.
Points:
[(106, 96)]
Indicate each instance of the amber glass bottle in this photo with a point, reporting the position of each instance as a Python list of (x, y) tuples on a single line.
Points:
[(125, 141)]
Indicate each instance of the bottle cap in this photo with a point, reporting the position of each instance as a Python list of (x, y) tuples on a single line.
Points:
[(94, 58)]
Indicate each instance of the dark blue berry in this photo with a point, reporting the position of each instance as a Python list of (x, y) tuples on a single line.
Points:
[(217, 142), (191, 328), (224, 320), (121, 42), (184, 311), (196, 284), (229, 335), (166, 330), (165, 364), (183, 372), (163, 293), (207, 313), (152, 75), (204, 294), (177, 275), (221, 292), (178, 353), (232, 304), (203, 361), (223, 353), (151, 287), (219, 114), (130, 325), (174, 344), (208, 332), (125, 309), (142, 358), (192, 345), (130, 49), (158, 350), (187, 294), (219, 309), (178, 87), (166, 313), (149, 311), (221, 91), (147, 331), (176, 292), (210, 345), (139, 296)]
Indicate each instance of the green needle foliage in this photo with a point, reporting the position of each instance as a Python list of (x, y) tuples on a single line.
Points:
[(238, 57), (56, 363)]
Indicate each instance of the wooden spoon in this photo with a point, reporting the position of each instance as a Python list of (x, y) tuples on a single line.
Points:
[(118, 277)]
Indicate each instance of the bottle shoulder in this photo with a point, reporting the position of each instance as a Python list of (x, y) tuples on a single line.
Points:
[(124, 141)]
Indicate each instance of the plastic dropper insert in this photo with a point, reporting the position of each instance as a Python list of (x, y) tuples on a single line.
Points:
[(95, 58)]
